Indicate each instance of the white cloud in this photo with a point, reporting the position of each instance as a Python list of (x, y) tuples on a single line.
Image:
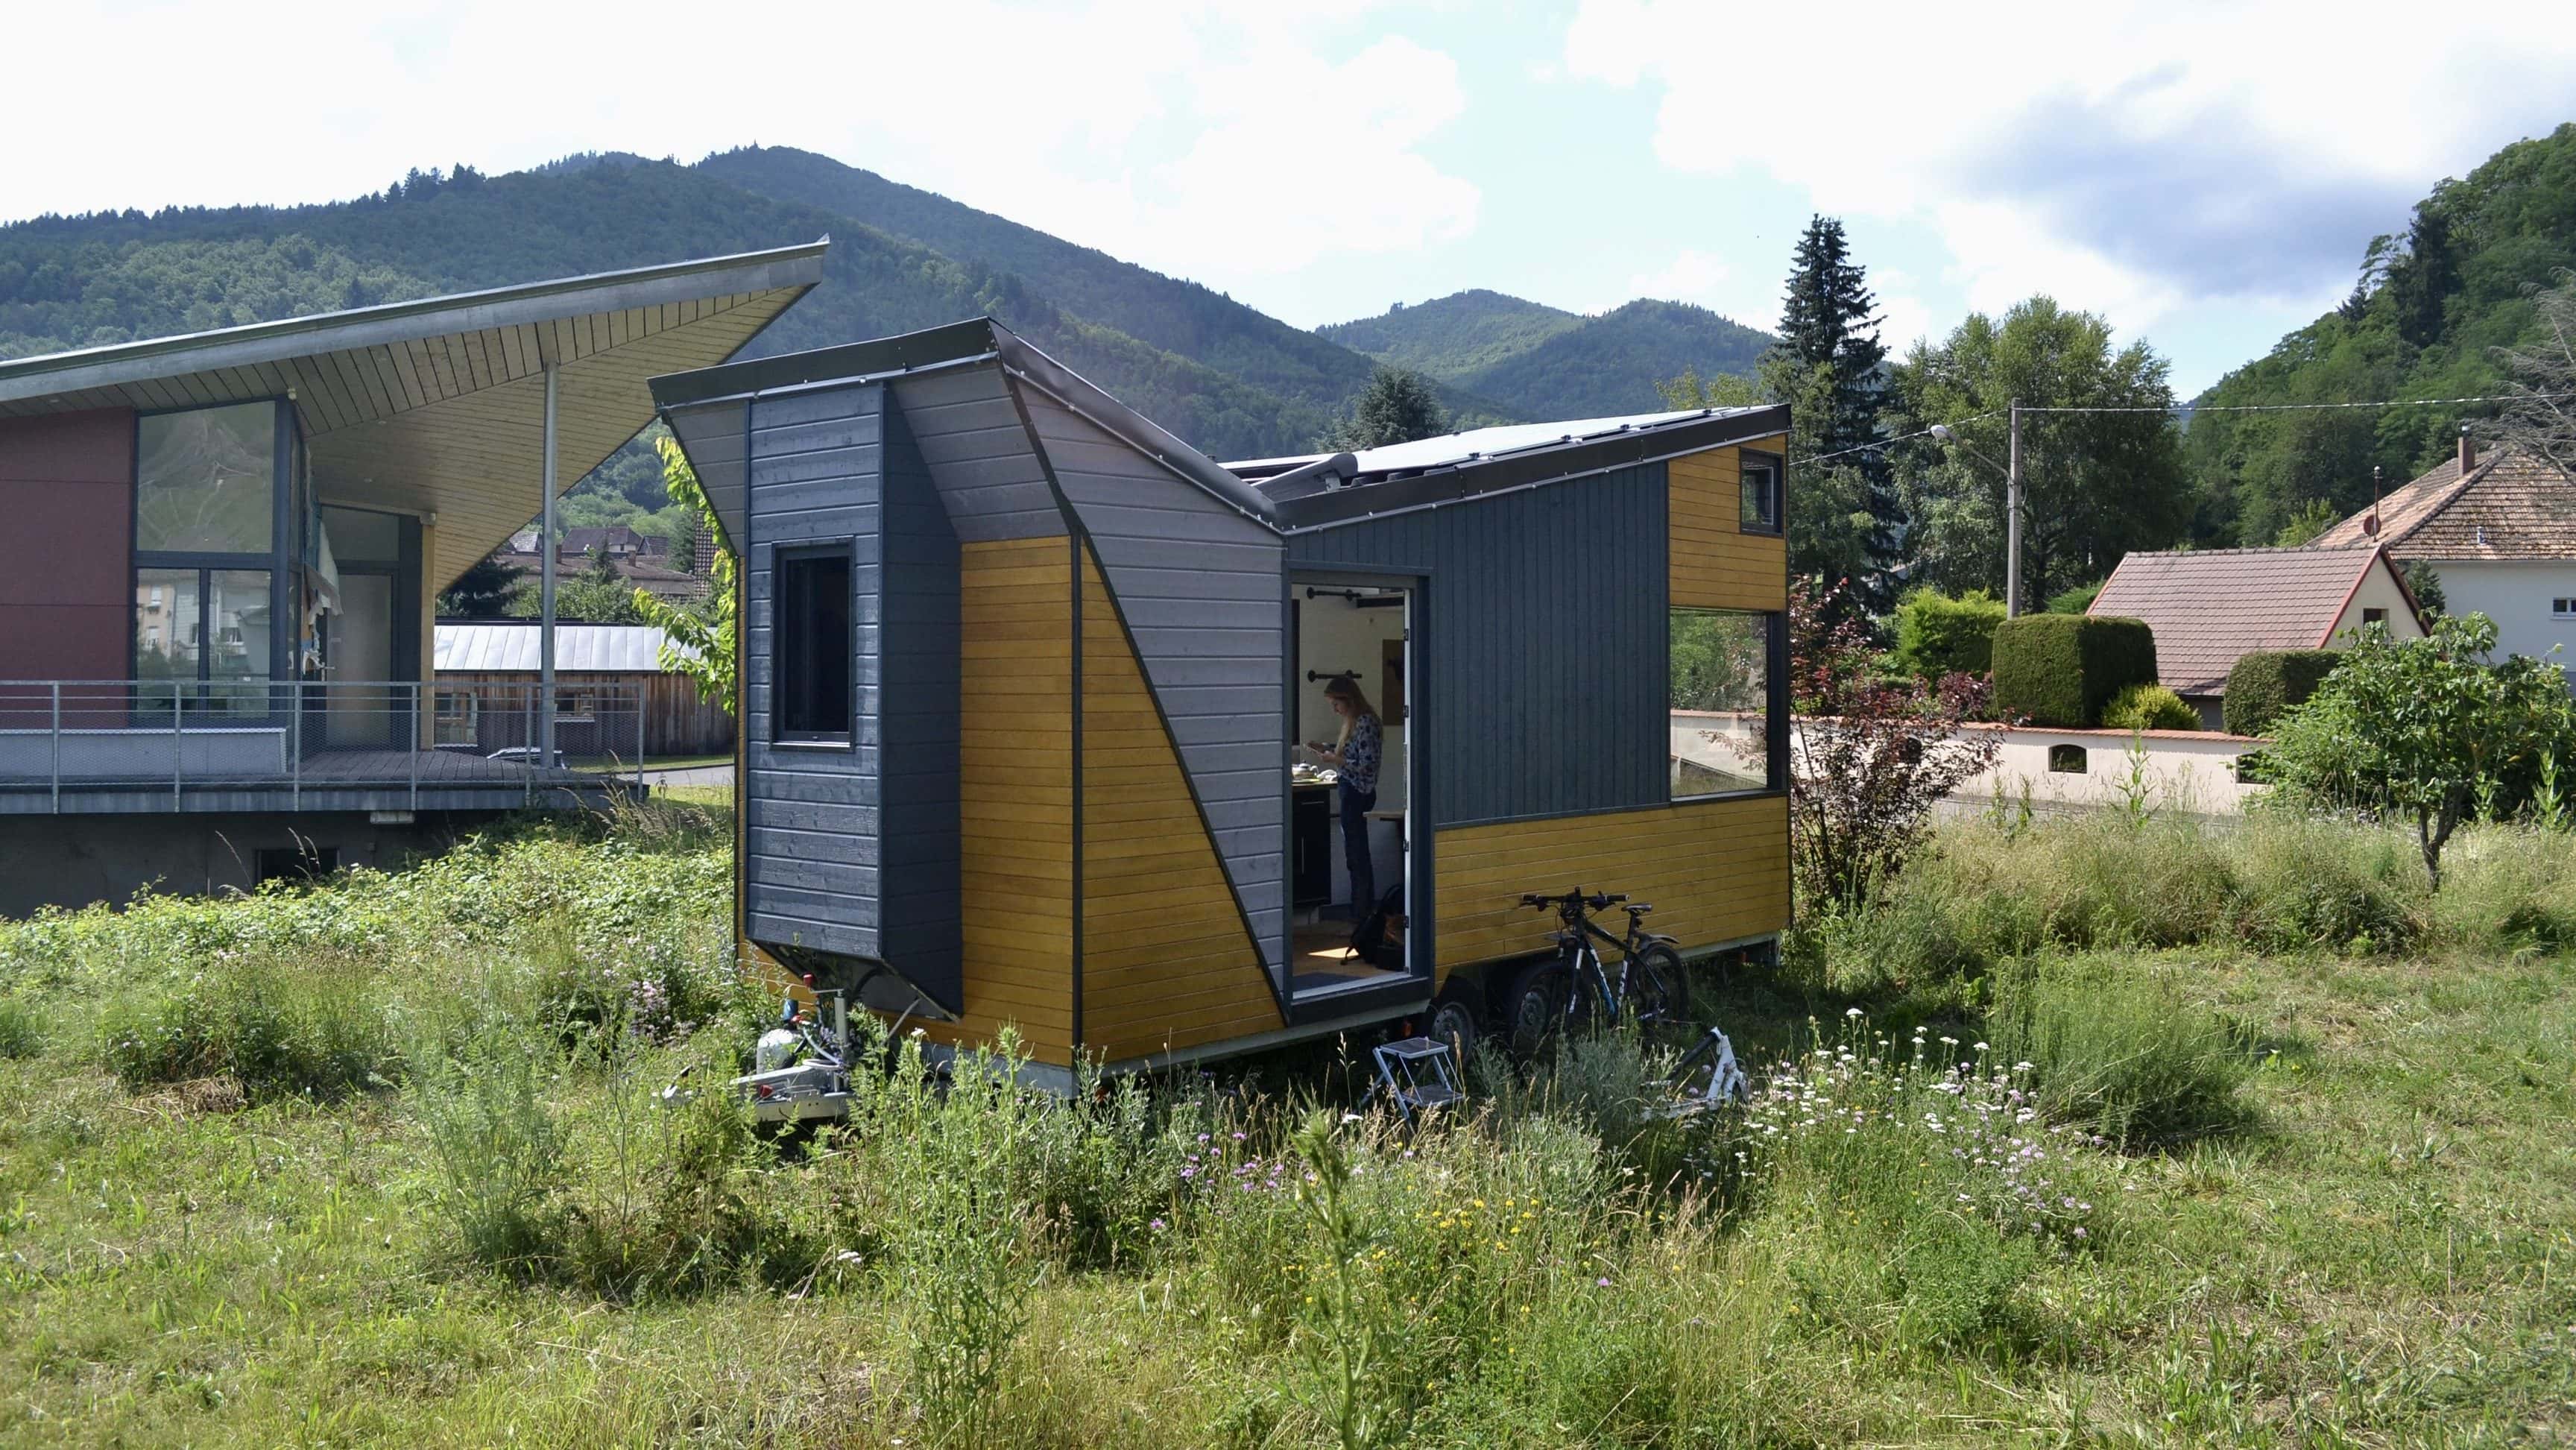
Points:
[(1183, 135), (2128, 157)]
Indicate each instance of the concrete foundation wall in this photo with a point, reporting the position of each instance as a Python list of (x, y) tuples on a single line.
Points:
[(73, 861)]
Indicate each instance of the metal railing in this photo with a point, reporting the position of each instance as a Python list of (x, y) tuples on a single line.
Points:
[(302, 736)]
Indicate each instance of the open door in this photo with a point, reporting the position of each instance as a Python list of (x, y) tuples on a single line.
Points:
[(1352, 779)]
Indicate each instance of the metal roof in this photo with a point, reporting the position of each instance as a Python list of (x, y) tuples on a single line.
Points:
[(511, 647), (435, 407), (1322, 490)]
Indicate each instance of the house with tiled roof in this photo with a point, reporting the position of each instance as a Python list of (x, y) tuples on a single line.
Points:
[(2211, 607), (2500, 533)]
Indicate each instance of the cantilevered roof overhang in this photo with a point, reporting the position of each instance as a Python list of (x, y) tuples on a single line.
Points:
[(437, 406)]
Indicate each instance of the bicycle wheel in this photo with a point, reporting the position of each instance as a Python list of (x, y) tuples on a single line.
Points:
[(1534, 1011), (1658, 986)]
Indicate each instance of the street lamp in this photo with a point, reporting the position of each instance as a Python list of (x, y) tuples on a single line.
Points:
[(2012, 502)]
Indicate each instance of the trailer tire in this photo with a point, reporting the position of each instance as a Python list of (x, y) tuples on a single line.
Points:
[(1534, 1010), (1455, 1021)]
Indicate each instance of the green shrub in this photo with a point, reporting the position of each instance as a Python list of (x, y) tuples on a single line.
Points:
[(22, 1031), (294, 1028), (2312, 881), (2061, 669), (2149, 707), (1937, 635), (2118, 1053), (2075, 600), (2266, 682)]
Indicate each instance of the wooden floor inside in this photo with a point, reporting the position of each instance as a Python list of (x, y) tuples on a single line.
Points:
[(1320, 957)]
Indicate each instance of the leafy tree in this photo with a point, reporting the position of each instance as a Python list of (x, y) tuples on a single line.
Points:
[(2432, 728), (699, 643), (2310, 519), (2095, 485), (1937, 635), (2075, 598), (1399, 405), (485, 590), (1871, 756)]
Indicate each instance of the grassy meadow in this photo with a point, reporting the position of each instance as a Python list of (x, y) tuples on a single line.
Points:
[(2090, 1132)]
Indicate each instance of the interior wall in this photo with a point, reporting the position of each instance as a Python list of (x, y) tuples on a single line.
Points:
[(66, 599), (1334, 634)]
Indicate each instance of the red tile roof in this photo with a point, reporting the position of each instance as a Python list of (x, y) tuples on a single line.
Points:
[(2512, 505), (2210, 606)]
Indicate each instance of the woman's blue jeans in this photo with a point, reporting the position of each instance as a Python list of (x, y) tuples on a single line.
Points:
[(1356, 804)]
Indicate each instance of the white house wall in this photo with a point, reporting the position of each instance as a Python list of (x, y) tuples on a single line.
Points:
[(2516, 596)]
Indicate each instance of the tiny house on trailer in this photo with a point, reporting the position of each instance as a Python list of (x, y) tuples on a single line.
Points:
[(1026, 678)]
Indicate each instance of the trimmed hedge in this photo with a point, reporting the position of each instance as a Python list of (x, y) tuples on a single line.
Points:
[(1937, 635), (2268, 681), (2061, 669)]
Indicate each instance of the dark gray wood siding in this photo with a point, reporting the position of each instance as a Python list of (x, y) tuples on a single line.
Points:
[(1543, 648), (812, 813), (918, 726), (1199, 586), (986, 468)]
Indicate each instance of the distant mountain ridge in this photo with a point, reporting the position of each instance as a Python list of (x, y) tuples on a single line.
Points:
[(1542, 361), (1230, 379)]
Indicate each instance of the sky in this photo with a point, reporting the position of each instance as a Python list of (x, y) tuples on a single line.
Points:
[(2205, 175)]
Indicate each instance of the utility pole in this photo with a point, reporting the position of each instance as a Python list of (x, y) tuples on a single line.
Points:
[(546, 591), (2012, 519)]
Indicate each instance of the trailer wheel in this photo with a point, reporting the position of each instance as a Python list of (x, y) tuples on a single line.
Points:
[(1454, 1021), (1534, 1012)]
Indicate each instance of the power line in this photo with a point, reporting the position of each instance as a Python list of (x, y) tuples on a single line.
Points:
[(1890, 442)]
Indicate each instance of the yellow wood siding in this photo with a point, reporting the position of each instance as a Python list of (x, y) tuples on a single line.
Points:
[(1716, 871), (1715, 564), (1166, 961)]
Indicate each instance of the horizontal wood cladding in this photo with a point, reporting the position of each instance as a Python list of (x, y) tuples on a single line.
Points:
[(1716, 871), (1715, 564), (1015, 779), (1167, 961)]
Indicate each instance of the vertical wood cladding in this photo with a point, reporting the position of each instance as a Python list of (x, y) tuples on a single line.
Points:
[(1166, 959), (1198, 585), (1543, 653), (1016, 793), (1715, 564), (67, 492), (1716, 871)]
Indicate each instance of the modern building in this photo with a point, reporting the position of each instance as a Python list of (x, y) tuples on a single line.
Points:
[(1025, 679), (2211, 607), (2498, 531), (215, 635)]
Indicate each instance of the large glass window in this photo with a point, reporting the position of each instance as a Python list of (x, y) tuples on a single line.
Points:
[(1723, 698), (205, 481), (812, 647), (165, 624)]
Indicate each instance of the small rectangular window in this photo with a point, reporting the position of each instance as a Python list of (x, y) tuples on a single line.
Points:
[(2066, 760), (2374, 616), (458, 713), (2562, 608), (1725, 702), (1761, 475), (811, 647)]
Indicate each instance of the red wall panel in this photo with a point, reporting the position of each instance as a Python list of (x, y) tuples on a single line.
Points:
[(66, 511)]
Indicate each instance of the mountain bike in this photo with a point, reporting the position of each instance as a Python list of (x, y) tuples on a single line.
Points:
[(1576, 987)]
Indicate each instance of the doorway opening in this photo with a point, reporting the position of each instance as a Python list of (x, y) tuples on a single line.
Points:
[(1350, 787)]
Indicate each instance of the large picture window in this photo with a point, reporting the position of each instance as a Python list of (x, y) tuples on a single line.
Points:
[(811, 647), (205, 481), (1726, 694)]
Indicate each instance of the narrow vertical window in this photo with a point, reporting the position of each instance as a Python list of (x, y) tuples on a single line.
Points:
[(1761, 475), (811, 647)]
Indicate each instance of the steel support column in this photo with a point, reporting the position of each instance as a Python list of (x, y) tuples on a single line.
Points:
[(546, 591)]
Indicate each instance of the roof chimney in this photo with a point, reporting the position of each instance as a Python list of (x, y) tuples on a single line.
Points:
[(2468, 451)]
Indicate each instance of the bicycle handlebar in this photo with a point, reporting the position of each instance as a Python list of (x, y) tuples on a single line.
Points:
[(1597, 901)]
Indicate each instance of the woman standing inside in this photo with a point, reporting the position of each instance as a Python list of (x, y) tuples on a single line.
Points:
[(1355, 756)]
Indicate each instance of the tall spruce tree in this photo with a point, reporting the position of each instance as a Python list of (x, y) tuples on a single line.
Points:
[(1399, 405), (1829, 346)]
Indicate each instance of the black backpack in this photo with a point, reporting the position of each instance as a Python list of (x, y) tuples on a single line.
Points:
[(1379, 938)]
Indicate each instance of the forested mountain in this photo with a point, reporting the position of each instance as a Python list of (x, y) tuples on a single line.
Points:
[(107, 277), (1544, 363), (2431, 306)]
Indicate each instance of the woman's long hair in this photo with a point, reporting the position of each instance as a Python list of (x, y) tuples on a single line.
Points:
[(1347, 687)]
